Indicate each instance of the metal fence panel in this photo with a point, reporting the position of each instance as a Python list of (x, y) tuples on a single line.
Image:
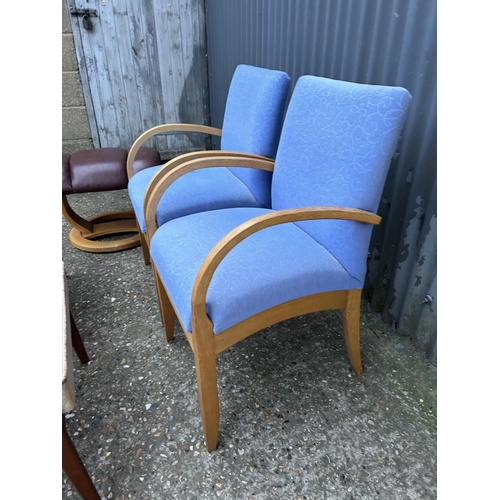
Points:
[(387, 42)]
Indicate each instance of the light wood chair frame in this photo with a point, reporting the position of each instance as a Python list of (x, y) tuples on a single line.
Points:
[(205, 344), (171, 128), (167, 128)]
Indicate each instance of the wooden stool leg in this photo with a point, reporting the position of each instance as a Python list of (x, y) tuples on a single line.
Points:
[(83, 225), (350, 317), (75, 469), (85, 231), (76, 340)]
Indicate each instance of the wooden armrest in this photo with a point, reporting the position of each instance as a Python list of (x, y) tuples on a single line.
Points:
[(165, 128), (214, 258), (179, 160), (202, 159)]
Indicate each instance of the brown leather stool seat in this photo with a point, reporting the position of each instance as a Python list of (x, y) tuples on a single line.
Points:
[(96, 170)]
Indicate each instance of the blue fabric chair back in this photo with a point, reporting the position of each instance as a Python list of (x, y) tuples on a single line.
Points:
[(336, 147), (252, 121)]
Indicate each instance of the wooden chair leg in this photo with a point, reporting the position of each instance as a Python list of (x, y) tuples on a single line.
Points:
[(350, 317), (76, 340), (206, 375), (144, 247), (75, 469), (166, 310)]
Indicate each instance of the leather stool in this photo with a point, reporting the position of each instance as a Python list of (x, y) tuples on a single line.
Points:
[(102, 169)]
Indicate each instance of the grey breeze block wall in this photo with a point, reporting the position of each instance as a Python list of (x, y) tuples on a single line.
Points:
[(75, 125)]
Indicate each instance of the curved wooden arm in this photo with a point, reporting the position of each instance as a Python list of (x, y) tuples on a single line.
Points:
[(165, 128), (214, 159), (214, 258), (179, 160)]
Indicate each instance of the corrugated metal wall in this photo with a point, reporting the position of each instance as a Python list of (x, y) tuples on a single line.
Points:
[(389, 42)]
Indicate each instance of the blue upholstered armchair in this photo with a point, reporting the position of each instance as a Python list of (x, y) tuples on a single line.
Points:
[(252, 124), (228, 273)]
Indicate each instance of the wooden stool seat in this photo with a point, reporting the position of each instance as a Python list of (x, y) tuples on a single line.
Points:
[(97, 170)]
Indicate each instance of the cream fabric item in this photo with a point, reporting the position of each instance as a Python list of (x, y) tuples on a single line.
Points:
[(68, 383)]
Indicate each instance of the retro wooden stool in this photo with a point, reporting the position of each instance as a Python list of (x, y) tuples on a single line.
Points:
[(102, 169)]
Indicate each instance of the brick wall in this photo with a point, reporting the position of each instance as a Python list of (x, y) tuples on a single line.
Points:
[(75, 125)]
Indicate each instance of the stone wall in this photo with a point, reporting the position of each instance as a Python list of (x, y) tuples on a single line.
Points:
[(75, 125)]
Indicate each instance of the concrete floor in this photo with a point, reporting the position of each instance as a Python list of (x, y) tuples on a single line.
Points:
[(296, 423)]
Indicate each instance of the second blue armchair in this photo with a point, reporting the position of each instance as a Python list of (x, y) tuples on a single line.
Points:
[(252, 124)]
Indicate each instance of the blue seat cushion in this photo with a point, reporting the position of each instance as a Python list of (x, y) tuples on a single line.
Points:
[(200, 190), (266, 269)]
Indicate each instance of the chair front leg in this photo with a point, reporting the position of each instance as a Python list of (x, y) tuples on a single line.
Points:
[(144, 246), (206, 375), (350, 318), (166, 310)]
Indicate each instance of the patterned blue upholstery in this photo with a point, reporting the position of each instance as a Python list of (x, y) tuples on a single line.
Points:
[(137, 186), (264, 270), (335, 149), (205, 189), (252, 124)]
